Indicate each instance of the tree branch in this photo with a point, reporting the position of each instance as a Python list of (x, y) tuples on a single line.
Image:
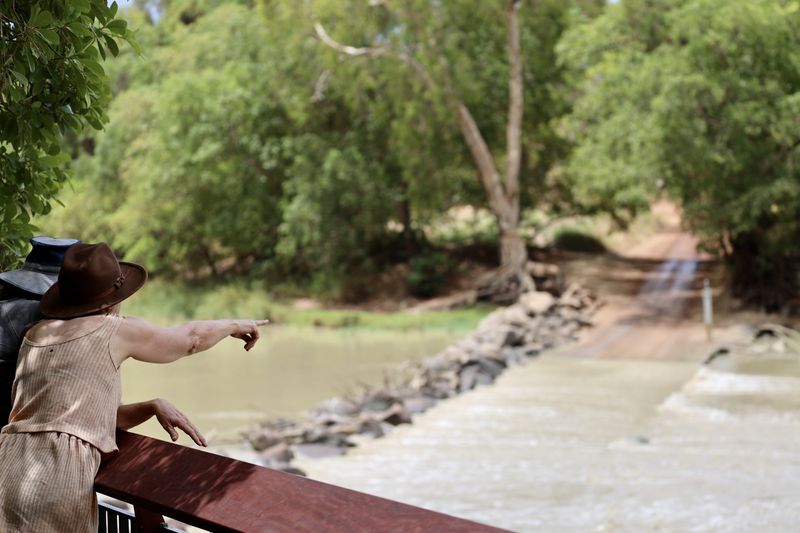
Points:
[(375, 51), (345, 49), (514, 126), (486, 167), (319, 86)]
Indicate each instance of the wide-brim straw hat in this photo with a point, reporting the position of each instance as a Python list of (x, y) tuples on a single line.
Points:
[(91, 280), (41, 266)]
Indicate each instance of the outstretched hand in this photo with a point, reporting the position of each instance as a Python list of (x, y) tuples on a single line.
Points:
[(247, 330), (170, 418)]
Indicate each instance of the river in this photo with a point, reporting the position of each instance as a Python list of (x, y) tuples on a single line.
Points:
[(291, 369), (566, 444)]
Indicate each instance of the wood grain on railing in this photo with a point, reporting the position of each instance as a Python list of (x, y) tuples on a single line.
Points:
[(222, 494)]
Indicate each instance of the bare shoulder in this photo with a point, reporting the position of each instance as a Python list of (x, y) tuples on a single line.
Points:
[(51, 331)]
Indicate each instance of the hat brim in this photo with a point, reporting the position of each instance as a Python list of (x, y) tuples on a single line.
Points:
[(52, 306), (29, 281)]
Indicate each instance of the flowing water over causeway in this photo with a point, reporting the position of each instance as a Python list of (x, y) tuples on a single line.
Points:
[(567, 444)]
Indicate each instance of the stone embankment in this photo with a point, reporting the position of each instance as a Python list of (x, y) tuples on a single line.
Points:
[(508, 336)]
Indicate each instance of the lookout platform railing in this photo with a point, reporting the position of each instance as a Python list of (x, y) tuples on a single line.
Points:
[(222, 494)]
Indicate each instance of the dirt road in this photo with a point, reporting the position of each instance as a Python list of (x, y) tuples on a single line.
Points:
[(652, 289)]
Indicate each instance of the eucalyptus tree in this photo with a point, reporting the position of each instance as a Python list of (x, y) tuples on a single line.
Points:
[(468, 63)]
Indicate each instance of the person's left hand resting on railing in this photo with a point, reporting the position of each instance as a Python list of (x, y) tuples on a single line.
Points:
[(131, 415)]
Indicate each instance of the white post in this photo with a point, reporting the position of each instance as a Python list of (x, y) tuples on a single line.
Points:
[(708, 312)]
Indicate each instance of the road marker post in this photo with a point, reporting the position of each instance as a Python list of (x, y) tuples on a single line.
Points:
[(708, 311)]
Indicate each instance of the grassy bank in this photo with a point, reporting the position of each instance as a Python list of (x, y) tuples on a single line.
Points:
[(168, 303)]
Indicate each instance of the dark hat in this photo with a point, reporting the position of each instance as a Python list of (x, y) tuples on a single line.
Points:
[(91, 279), (41, 266)]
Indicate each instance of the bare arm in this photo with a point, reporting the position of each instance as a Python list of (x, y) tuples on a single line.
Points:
[(133, 414), (143, 341)]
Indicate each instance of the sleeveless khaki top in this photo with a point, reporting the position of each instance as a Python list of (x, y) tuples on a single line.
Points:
[(71, 386)]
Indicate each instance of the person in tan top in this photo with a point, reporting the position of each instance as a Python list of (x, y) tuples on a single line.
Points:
[(67, 388), (20, 292)]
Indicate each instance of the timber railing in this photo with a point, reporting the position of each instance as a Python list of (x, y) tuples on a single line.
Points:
[(221, 494)]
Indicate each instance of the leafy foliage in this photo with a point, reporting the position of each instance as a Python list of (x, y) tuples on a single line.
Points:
[(703, 97), (52, 84)]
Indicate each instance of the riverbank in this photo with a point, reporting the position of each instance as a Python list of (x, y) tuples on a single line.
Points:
[(508, 336), (167, 302)]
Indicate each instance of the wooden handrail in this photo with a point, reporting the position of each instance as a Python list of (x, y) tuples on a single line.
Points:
[(222, 494)]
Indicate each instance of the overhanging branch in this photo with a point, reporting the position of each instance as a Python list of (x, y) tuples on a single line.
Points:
[(375, 51)]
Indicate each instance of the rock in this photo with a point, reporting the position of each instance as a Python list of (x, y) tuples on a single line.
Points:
[(279, 453), (542, 270), (514, 337), (350, 427), (516, 315), (262, 439), (468, 378), (491, 366), (536, 303), (377, 401), (337, 406), (370, 426), (418, 404), (395, 415)]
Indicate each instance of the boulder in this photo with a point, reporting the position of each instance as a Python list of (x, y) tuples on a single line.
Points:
[(395, 415), (468, 378), (492, 367), (279, 453), (537, 302), (370, 426), (418, 404), (517, 315), (514, 337), (263, 438)]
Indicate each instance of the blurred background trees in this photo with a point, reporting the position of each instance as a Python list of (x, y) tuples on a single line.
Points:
[(240, 142), (702, 98)]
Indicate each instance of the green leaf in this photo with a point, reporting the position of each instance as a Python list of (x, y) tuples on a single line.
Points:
[(112, 45), (79, 29), (49, 35), (93, 66), (118, 26), (82, 5), (20, 77), (55, 160), (41, 19), (131, 40)]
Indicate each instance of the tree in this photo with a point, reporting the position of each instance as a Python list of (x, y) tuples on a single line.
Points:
[(51, 85), (419, 35), (703, 97)]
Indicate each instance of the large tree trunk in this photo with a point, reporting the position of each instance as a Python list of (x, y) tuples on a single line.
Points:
[(513, 253), (502, 192)]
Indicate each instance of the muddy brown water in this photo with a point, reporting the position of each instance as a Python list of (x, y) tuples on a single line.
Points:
[(227, 389)]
